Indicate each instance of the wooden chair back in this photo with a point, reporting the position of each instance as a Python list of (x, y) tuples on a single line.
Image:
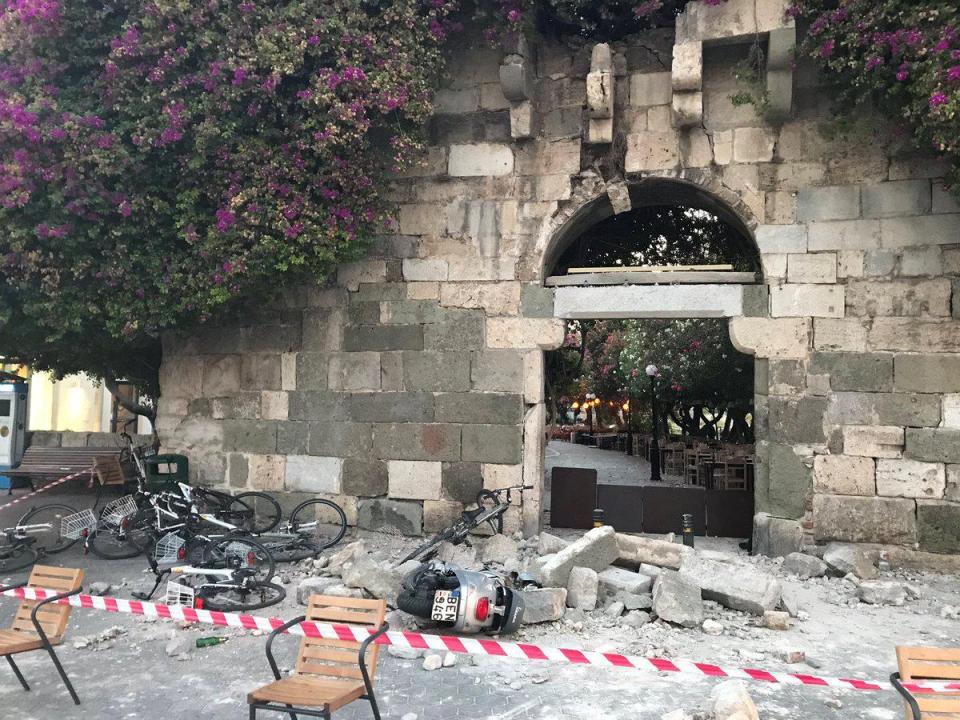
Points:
[(337, 659), (109, 470), (927, 663), (53, 617)]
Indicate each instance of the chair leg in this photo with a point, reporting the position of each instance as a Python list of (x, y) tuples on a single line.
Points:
[(63, 675), (373, 705), (253, 713), (293, 715), (16, 671)]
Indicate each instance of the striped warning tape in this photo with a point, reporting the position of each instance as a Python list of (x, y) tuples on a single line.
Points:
[(48, 486), (470, 646)]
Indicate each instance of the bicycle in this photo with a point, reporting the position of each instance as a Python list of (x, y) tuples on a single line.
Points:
[(490, 510), (38, 533), (235, 572)]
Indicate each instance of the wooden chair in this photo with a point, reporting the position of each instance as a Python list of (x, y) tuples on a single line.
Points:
[(927, 663), (329, 673), (38, 625)]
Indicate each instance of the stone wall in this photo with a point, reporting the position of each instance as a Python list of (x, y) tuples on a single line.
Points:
[(413, 378)]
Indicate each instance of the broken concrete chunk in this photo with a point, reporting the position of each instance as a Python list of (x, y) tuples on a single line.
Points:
[(634, 602), (843, 559), (314, 586), (804, 566), (347, 555), (776, 620), (549, 544), (614, 580), (636, 550), (614, 609), (676, 599), (711, 627), (595, 550), (582, 588), (462, 555), (635, 619), (544, 605), (379, 580), (790, 603), (736, 586), (730, 699), (881, 592), (499, 549)]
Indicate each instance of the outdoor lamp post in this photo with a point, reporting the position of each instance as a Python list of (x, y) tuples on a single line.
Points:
[(590, 405), (627, 417), (652, 373)]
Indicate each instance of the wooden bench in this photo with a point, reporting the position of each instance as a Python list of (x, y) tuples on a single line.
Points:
[(50, 463), (329, 673), (41, 624), (927, 663)]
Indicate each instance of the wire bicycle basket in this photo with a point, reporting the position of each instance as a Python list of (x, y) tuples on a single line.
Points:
[(168, 549), (178, 594), (77, 525), (117, 510)]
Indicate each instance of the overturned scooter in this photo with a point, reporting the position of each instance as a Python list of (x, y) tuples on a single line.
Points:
[(465, 601)]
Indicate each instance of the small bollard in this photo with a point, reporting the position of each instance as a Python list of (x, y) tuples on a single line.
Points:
[(686, 523), (598, 517)]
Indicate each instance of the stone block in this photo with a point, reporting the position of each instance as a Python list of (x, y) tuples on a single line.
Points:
[(910, 479), (843, 235), (496, 476), (266, 472), (774, 536), (546, 157), (927, 373), (804, 566), (844, 475), (740, 587), (843, 560), (944, 200), (479, 408), (921, 261), (457, 101), (634, 550), (615, 580), (480, 160), (774, 265), (436, 371), (353, 371), (403, 516), (920, 230), (855, 371), (704, 21), (789, 482), (260, 371), (318, 405), (812, 268), (238, 470), (649, 301), (414, 479), (940, 445), (341, 439), (882, 592), (864, 519), (807, 301), (899, 297), (687, 110), (525, 333), (799, 421), (836, 202), (425, 269), (250, 436), (492, 444), (391, 407), (460, 330), (873, 441), (648, 89), (522, 120), (687, 69), (536, 301), (652, 151), (849, 335), (595, 550), (879, 263), (416, 441), (462, 481), (914, 335), (440, 514), (274, 405), (364, 478), (582, 589), (544, 605), (938, 526), (221, 375), (292, 438), (769, 338), (850, 263), (383, 337), (312, 370), (321, 330), (351, 275), (894, 199), (497, 371), (850, 408), (408, 312), (676, 599), (493, 298), (423, 291), (782, 239), (752, 145), (696, 150), (306, 473)]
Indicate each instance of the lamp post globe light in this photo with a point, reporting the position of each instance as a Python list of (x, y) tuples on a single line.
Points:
[(590, 404), (652, 372)]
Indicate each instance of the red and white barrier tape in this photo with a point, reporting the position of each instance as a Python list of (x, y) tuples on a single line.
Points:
[(48, 486), (470, 646)]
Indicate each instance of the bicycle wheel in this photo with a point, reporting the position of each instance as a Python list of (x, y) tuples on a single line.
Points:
[(239, 553), (322, 523), (233, 598), (266, 511), (133, 536), (48, 540), (288, 547), (16, 557)]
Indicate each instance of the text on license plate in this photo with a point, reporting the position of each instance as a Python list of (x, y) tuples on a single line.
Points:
[(445, 603)]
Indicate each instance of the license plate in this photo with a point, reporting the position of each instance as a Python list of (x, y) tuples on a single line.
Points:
[(445, 604)]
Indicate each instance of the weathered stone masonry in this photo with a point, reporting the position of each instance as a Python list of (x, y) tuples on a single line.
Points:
[(414, 377)]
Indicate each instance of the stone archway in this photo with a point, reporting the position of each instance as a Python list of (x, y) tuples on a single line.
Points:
[(744, 303)]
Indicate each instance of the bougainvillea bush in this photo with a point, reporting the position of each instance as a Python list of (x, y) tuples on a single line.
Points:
[(901, 57), (160, 158)]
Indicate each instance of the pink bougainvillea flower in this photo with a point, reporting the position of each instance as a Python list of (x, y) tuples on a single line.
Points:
[(938, 99)]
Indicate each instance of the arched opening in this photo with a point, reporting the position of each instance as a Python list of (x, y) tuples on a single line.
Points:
[(649, 405)]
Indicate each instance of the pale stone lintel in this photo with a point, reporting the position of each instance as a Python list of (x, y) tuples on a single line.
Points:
[(644, 301)]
